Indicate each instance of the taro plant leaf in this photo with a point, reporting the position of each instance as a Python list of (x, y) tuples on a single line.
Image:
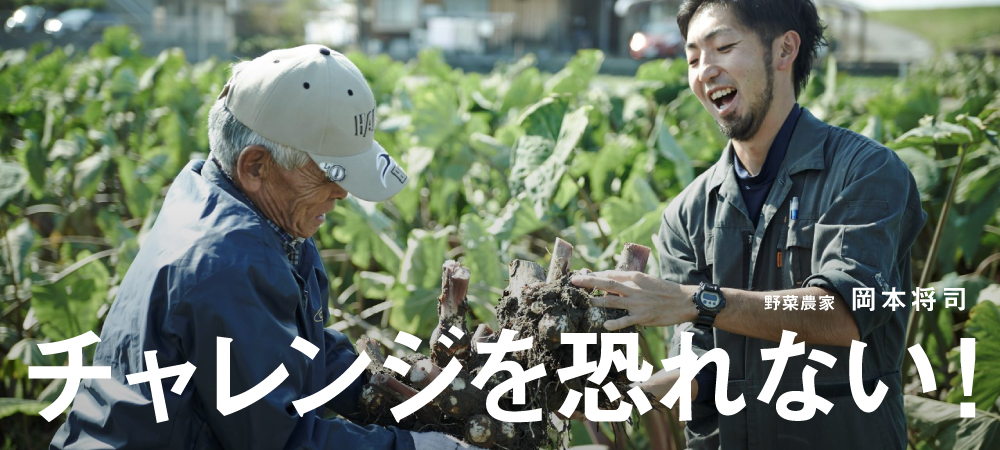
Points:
[(414, 297), (10, 406), (407, 201), (118, 40), (430, 62), (436, 116), (638, 191), (12, 180), (23, 354), (671, 73), (937, 425), (925, 170), (87, 174), (167, 63), (381, 71), (20, 240), (984, 326), (495, 151), (516, 220), (874, 129), (620, 214), (418, 158), (67, 149), (600, 168), (542, 182), (447, 190), (668, 147), (971, 284), (544, 118), (586, 237), (528, 154), (975, 185), (963, 231), (489, 274), (124, 83), (642, 231), (142, 181), (68, 307), (565, 193), (368, 233), (414, 310), (34, 159), (970, 218), (522, 91), (575, 77), (930, 132)]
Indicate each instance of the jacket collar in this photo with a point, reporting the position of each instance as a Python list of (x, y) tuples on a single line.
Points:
[(213, 173), (805, 151)]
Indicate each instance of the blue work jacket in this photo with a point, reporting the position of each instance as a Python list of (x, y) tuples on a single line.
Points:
[(212, 268)]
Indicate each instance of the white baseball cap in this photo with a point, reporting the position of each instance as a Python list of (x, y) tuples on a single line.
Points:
[(314, 99)]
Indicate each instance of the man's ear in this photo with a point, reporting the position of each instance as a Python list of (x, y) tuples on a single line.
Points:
[(787, 49), (253, 167)]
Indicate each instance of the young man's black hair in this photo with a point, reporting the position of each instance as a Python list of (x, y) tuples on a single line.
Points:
[(770, 19)]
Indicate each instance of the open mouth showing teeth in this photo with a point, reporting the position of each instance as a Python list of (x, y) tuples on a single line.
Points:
[(723, 98)]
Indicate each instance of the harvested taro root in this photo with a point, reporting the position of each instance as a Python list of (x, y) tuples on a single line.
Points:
[(534, 305)]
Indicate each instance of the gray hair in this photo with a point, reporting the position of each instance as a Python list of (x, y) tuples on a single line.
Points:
[(227, 137)]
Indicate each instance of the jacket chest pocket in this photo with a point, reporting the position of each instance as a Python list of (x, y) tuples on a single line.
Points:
[(798, 251)]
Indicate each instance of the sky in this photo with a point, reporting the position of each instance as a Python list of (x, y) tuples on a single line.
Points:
[(922, 4)]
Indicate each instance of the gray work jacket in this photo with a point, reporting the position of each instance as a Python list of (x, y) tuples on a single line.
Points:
[(859, 213)]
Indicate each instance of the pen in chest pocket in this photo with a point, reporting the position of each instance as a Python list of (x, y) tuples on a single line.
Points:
[(793, 214)]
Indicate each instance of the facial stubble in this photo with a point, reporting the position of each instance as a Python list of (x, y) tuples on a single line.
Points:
[(743, 128)]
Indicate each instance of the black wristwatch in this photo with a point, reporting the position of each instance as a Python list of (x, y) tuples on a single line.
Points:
[(709, 301)]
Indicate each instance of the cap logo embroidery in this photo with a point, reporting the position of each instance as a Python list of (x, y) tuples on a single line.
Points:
[(399, 174), (388, 165), (364, 123)]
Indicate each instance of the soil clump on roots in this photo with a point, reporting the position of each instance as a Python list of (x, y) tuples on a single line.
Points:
[(534, 305)]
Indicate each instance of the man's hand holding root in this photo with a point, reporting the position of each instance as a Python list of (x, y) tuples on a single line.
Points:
[(649, 301)]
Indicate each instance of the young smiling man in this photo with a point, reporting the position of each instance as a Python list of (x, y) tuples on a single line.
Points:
[(231, 257), (795, 209)]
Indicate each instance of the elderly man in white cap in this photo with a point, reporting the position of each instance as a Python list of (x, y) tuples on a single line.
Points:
[(229, 278)]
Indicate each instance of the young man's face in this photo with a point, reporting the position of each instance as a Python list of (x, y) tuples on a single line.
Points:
[(730, 71)]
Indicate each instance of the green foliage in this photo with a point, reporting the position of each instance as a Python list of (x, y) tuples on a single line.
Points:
[(11, 406), (500, 164), (984, 326), (937, 425)]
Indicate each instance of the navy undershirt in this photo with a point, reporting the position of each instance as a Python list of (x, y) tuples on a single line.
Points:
[(756, 188)]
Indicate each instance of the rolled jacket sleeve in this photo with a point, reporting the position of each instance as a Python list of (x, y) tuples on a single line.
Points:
[(863, 239), (679, 263)]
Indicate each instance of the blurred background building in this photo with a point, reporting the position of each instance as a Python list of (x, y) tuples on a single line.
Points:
[(473, 34)]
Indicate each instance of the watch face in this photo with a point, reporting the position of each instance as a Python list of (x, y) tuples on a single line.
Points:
[(710, 300)]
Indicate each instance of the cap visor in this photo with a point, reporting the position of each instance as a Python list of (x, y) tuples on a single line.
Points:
[(372, 175)]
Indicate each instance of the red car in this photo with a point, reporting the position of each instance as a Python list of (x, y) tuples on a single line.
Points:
[(657, 40)]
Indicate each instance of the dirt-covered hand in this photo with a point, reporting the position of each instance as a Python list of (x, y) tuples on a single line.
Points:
[(649, 301), (439, 441)]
